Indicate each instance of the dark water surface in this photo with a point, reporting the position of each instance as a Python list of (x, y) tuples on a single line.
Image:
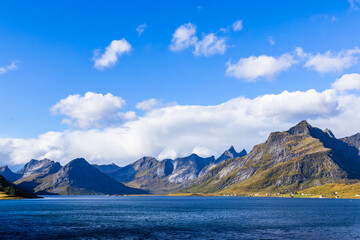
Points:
[(101, 217)]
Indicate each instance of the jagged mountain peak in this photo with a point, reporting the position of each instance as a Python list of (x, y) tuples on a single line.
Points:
[(230, 153), (329, 132), (44, 166), (5, 169), (302, 127)]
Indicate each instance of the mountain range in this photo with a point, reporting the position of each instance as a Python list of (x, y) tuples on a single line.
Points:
[(166, 175), (299, 158)]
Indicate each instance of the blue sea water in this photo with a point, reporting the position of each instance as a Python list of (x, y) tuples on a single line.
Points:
[(157, 217)]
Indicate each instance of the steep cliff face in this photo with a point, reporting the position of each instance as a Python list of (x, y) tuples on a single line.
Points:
[(299, 158), (78, 177)]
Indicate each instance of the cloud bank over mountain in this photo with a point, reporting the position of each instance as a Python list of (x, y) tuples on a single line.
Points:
[(177, 130)]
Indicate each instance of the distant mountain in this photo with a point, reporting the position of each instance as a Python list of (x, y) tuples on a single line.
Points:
[(78, 177), (353, 140), (108, 168), (302, 157), (230, 153), (39, 167), (8, 174), (166, 175), (7, 190), (34, 171)]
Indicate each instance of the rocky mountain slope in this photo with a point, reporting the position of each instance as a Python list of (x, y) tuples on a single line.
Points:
[(9, 191), (39, 167), (302, 157), (34, 171), (78, 177)]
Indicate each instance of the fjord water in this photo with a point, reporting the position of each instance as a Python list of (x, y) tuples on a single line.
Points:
[(157, 217)]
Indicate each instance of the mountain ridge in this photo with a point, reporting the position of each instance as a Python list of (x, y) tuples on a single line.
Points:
[(299, 158)]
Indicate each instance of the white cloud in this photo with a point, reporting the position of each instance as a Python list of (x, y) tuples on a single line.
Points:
[(210, 45), (141, 28), (175, 131), (354, 4), (116, 49), (347, 82), (202, 151), (128, 116), (237, 26), (148, 104), (271, 40), (152, 103), (332, 62), (92, 109), (255, 67), (183, 37), (11, 67)]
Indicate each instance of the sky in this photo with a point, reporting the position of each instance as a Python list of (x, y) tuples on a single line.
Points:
[(112, 81)]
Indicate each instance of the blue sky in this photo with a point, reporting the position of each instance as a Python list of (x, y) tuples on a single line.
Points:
[(53, 46)]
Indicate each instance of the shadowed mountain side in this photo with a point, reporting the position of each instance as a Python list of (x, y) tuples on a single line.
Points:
[(78, 177), (8, 174), (7, 190), (299, 158), (353, 140), (108, 168)]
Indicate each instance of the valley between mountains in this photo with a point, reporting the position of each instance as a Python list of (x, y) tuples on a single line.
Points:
[(302, 161)]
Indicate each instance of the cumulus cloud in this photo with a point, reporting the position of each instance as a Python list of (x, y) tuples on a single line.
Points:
[(255, 67), (347, 82), (116, 49), (332, 62), (210, 45), (148, 104), (11, 67), (185, 37), (175, 131), (237, 26), (92, 109), (141, 28)]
